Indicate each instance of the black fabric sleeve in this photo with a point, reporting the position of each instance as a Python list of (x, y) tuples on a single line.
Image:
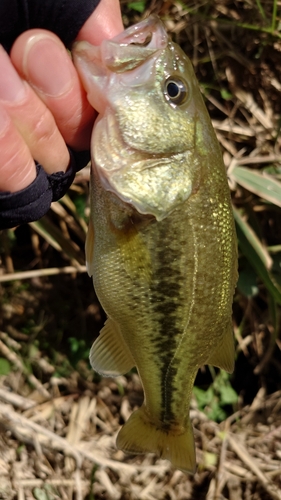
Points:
[(63, 17), (33, 202)]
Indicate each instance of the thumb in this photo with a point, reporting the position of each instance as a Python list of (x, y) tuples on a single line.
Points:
[(104, 23)]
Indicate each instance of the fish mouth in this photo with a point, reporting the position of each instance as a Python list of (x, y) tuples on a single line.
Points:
[(141, 40), (93, 63), (148, 33)]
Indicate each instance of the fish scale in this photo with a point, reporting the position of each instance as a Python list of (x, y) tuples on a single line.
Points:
[(161, 244)]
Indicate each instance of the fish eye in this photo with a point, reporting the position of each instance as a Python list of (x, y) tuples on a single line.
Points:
[(175, 90)]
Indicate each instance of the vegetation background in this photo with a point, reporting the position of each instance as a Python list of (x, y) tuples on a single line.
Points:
[(58, 419)]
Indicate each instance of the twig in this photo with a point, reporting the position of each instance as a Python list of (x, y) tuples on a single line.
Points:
[(7, 253), (10, 342), (246, 458), (37, 273), (110, 489), (234, 487), (248, 101), (233, 129), (253, 160), (25, 428), (220, 476), (211, 491), (237, 470), (36, 483), (21, 494), (16, 400), (78, 484), (257, 404), (15, 360)]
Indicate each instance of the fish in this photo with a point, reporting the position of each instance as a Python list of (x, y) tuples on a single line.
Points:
[(161, 244)]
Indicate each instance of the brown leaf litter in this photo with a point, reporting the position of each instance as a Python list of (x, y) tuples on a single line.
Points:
[(63, 446)]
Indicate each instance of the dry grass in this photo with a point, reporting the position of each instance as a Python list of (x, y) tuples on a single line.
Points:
[(59, 442), (58, 421)]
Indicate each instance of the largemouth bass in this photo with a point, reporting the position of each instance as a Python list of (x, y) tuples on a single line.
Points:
[(161, 244)]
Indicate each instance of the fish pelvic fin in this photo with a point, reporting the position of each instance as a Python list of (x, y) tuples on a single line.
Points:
[(141, 435), (89, 249), (224, 355), (110, 355)]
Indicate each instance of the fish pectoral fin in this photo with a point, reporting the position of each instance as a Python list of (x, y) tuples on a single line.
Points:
[(109, 355), (224, 355), (141, 435), (89, 249)]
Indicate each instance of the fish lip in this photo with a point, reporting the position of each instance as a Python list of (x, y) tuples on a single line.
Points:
[(108, 56), (141, 42), (134, 34)]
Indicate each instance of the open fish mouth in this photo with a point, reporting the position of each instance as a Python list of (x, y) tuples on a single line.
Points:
[(149, 34)]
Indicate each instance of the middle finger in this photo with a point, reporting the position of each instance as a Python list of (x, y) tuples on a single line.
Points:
[(32, 119)]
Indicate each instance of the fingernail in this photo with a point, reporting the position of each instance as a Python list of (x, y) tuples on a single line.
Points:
[(11, 85), (46, 66)]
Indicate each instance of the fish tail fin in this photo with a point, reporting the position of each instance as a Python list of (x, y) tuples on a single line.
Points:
[(141, 435)]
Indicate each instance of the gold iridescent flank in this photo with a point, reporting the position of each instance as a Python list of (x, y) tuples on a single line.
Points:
[(161, 245)]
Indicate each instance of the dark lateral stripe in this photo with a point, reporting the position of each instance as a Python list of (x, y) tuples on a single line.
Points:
[(167, 302)]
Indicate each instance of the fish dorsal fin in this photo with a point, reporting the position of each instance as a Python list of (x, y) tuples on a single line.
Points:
[(89, 249), (109, 354), (224, 355)]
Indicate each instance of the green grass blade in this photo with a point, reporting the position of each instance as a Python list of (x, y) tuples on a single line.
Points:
[(248, 26), (253, 240), (56, 239), (259, 183), (275, 317), (261, 9), (256, 254), (274, 16), (138, 6), (40, 229)]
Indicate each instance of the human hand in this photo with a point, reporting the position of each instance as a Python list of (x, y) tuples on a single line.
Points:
[(43, 106)]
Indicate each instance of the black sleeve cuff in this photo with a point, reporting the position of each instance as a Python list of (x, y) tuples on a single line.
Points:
[(34, 201)]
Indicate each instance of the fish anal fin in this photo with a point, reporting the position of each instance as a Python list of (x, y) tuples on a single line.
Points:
[(109, 354), (141, 435), (224, 355), (89, 249)]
